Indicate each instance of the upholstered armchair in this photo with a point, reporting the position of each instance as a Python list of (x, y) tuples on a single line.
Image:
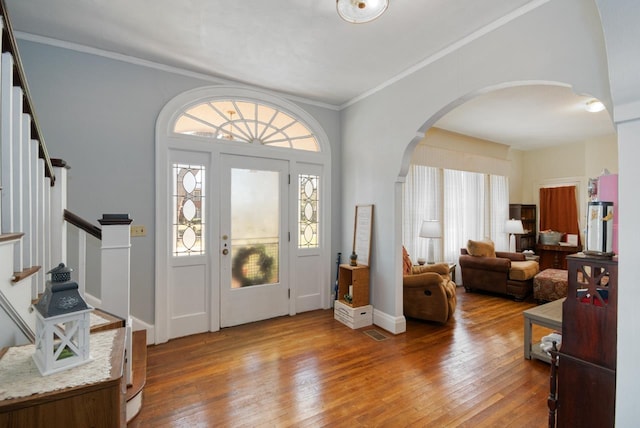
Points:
[(428, 292)]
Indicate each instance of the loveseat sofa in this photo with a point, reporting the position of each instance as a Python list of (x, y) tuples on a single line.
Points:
[(497, 271)]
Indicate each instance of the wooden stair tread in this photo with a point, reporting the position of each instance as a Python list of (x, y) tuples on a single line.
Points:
[(139, 364), (113, 322)]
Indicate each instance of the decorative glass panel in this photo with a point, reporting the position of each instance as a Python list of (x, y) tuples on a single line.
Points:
[(308, 211), (188, 210), (593, 285), (255, 228), (246, 122)]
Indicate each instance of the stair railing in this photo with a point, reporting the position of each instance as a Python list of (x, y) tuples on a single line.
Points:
[(33, 203)]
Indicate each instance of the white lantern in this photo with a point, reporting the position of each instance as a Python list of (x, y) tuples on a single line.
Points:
[(62, 325)]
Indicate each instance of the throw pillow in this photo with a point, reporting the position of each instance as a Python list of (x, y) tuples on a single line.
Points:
[(406, 262), (481, 248)]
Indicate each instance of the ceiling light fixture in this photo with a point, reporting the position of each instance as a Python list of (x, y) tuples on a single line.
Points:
[(594, 106), (361, 11)]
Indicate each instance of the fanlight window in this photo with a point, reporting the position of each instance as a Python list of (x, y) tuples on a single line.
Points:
[(246, 122)]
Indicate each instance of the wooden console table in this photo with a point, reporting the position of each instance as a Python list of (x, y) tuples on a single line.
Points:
[(98, 404), (555, 256)]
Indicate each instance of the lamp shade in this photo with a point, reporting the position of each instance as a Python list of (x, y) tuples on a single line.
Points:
[(513, 226), (431, 229), (360, 11)]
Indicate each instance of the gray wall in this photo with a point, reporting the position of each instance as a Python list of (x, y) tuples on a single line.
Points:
[(99, 115)]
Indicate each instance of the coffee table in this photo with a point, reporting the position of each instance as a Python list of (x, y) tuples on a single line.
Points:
[(548, 315)]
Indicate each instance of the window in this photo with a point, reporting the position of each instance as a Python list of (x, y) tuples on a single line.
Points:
[(308, 211), (188, 210), (246, 122), (470, 205)]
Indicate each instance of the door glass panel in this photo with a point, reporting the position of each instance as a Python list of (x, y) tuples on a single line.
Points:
[(188, 209), (308, 211), (255, 228)]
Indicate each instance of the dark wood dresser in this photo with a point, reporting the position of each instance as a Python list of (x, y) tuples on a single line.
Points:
[(555, 256), (585, 376)]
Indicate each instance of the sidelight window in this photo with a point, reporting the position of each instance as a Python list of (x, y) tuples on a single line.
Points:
[(188, 209), (308, 211)]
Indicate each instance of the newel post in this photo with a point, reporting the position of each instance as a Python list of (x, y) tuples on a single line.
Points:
[(115, 276)]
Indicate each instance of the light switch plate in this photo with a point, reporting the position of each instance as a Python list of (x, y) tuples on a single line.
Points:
[(138, 230)]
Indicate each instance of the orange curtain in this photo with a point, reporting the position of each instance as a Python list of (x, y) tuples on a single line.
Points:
[(559, 210)]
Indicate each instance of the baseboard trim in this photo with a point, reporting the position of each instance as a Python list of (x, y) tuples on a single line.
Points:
[(92, 300), (394, 325), (141, 325)]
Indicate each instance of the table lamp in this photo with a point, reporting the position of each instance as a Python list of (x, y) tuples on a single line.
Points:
[(430, 229), (513, 227)]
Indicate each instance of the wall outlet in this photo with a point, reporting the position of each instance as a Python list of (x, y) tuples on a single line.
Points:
[(138, 230)]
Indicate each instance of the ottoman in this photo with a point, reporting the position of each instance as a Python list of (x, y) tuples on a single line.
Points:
[(550, 285)]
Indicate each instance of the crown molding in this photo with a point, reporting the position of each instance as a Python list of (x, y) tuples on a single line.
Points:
[(450, 49), (162, 67)]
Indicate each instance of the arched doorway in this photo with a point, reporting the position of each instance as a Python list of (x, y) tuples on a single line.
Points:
[(242, 205), (582, 157)]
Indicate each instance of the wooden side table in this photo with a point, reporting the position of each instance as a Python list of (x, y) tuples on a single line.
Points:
[(452, 271), (548, 315)]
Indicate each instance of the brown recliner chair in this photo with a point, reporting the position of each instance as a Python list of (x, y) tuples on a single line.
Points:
[(428, 292)]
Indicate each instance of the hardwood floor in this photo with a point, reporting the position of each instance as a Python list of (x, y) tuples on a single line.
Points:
[(311, 371)]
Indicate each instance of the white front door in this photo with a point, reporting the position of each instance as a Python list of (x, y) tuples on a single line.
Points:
[(254, 239), (246, 174)]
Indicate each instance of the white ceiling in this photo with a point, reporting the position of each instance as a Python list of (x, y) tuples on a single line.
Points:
[(302, 48)]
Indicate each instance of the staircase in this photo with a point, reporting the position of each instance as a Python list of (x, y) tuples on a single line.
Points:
[(33, 228)]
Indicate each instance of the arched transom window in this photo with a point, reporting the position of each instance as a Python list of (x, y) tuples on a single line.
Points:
[(246, 122)]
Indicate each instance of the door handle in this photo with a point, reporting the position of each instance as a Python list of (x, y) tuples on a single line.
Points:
[(225, 251)]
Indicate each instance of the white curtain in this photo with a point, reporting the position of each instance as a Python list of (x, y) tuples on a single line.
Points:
[(469, 205), (422, 201), (499, 188), (464, 210)]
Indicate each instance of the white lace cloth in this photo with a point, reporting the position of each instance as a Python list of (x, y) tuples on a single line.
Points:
[(19, 376), (95, 319)]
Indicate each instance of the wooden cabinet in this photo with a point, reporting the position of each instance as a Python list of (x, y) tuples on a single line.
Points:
[(526, 214), (586, 369), (358, 278)]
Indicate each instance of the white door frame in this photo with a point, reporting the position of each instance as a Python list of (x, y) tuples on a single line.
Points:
[(167, 140)]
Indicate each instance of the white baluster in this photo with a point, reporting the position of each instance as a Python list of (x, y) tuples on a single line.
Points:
[(6, 135), (16, 188), (56, 214), (27, 209)]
